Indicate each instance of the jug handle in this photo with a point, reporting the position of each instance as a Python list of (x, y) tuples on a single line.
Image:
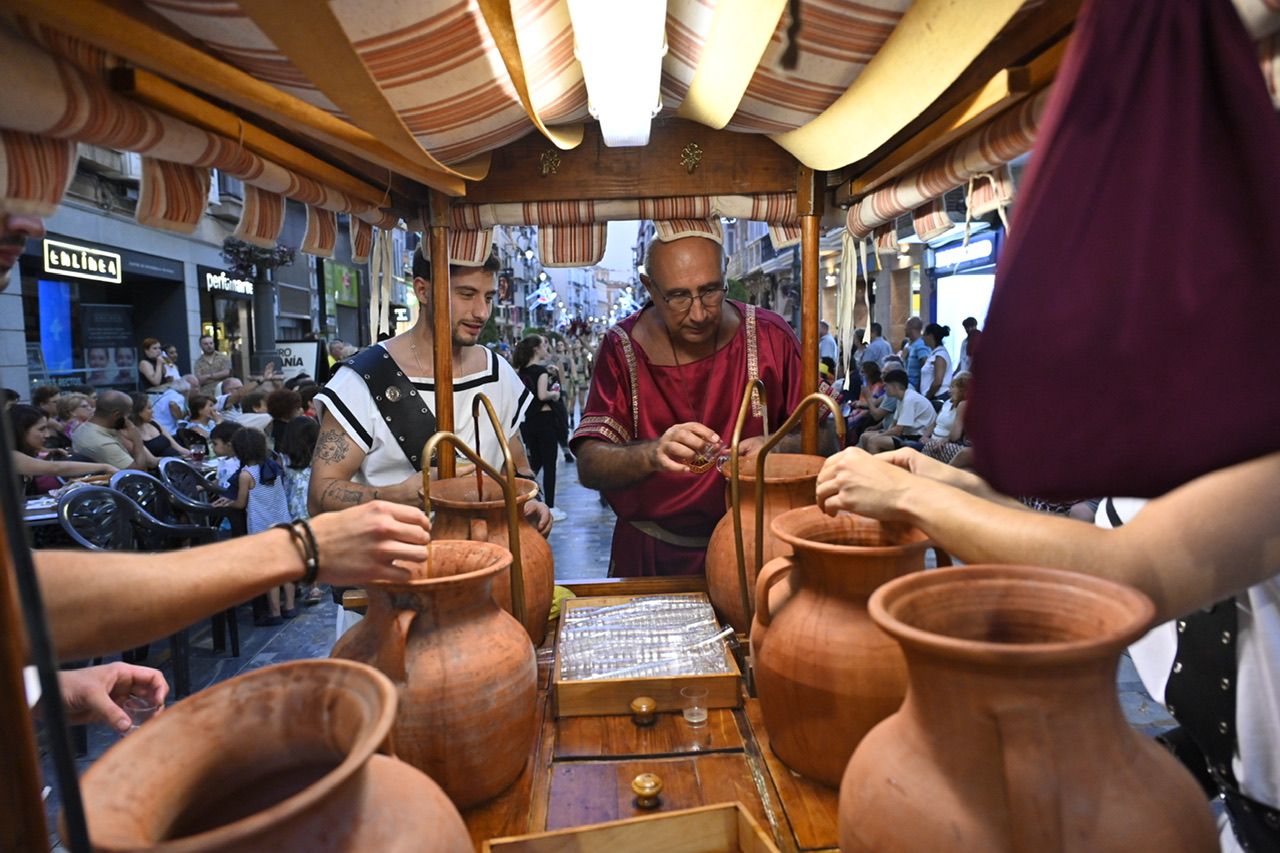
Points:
[(479, 530), (1032, 795), (391, 655), (774, 571)]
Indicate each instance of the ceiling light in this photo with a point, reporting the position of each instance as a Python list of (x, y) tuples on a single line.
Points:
[(620, 47)]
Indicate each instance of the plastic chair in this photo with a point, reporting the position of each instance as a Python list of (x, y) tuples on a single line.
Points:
[(159, 500), (195, 495), (101, 519)]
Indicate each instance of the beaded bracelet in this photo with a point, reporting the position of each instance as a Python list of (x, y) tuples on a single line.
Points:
[(306, 542)]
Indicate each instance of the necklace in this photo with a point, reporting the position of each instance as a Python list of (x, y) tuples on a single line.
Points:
[(704, 460)]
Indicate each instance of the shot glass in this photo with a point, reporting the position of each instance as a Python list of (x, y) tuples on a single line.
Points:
[(694, 705), (139, 710)]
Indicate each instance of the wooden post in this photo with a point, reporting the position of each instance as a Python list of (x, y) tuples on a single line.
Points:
[(442, 326), (22, 825), (810, 186)]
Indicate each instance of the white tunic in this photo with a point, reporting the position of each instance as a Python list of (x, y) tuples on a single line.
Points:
[(347, 398), (1257, 759)]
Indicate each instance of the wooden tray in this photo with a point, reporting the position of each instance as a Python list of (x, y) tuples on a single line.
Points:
[(724, 828), (614, 695)]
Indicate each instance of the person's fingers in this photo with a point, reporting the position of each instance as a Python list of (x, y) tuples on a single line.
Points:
[(410, 523), (98, 704)]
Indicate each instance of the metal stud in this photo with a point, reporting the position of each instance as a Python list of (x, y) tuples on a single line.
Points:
[(413, 459), (1173, 712), (1225, 684), (388, 418), (1223, 728), (1177, 667), (367, 376), (1273, 820), (1226, 637), (1221, 770), (1182, 623)]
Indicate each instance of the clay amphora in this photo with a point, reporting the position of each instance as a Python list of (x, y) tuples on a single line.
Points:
[(460, 514), (790, 481), (465, 670), (824, 672), (282, 758), (1011, 736)]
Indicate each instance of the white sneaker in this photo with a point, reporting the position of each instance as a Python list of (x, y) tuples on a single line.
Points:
[(558, 514)]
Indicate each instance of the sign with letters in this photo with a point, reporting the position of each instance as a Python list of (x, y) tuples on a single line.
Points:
[(297, 358), (77, 261), (222, 283)]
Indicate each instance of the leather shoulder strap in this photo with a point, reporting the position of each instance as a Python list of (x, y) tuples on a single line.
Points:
[(405, 411)]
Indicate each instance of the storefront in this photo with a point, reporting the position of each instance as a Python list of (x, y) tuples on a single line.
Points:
[(87, 307), (342, 286), (964, 277), (226, 313)]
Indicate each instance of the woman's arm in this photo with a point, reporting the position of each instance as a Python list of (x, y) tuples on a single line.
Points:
[(545, 393), (150, 372), (182, 451), (957, 426), (30, 466), (937, 377)]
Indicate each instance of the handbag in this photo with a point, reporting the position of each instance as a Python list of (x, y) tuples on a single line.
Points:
[(1145, 235)]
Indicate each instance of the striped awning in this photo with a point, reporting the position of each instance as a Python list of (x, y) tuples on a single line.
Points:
[(35, 172), (173, 196)]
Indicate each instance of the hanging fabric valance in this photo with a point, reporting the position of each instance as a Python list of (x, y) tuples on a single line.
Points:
[(931, 220), (773, 208), (60, 101), (35, 172), (470, 248), (784, 236), (572, 245), (361, 234), (172, 196), (321, 237), (262, 218), (1004, 139)]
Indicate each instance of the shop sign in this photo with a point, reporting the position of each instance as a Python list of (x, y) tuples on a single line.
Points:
[(76, 261), (298, 358), (399, 314), (979, 252), (220, 281)]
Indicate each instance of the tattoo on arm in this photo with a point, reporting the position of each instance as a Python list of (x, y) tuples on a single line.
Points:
[(331, 446), (344, 494)]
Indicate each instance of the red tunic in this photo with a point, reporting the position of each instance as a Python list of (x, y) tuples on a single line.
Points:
[(633, 399)]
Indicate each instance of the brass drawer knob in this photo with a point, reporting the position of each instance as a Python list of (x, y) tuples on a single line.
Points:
[(643, 710), (647, 787)]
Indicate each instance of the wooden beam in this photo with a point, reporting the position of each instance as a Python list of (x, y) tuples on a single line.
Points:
[(731, 164), (442, 328), (1003, 91), (178, 102), (810, 186), (105, 27)]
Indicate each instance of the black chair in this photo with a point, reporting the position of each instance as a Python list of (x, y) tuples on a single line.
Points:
[(102, 519), (195, 495), (159, 500)]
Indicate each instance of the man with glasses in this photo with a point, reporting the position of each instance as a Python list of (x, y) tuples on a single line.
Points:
[(664, 397)]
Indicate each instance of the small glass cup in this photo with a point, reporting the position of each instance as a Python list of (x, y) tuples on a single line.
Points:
[(694, 705), (197, 453), (139, 710), (707, 458)]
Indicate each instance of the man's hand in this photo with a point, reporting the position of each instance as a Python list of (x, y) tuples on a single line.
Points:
[(679, 445), (539, 515), (856, 481), (378, 540), (95, 694), (749, 447)]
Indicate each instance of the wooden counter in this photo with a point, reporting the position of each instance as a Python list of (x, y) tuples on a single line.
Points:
[(580, 771)]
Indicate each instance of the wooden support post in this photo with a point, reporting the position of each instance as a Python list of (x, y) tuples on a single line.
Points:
[(442, 326), (810, 186), (22, 825)]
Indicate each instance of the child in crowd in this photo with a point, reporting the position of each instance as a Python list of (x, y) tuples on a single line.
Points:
[(296, 445), (260, 492), (228, 464)]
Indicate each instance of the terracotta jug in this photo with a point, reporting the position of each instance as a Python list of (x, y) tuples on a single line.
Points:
[(461, 514), (790, 481), (282, 758), (1011, 736), (466, 671), (824, 672)]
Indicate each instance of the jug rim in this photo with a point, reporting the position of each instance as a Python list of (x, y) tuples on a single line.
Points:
[(373, 734), (747, 472), (525, 489), (501, 563), (1132, 612), (814, 512)]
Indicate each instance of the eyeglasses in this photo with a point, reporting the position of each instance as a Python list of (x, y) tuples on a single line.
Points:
[(682, 301)]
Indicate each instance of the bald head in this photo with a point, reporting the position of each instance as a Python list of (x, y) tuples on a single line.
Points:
[(701, 252)]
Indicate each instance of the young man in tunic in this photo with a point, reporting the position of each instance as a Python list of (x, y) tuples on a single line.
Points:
[(664, 397), (359, 454)]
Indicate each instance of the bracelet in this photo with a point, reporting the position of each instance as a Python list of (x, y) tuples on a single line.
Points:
[(305, 541)]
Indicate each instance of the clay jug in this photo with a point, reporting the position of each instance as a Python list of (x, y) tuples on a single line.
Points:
[(790, 481), (465, 670), (1012, 736), (462, 514), (824, 672), (282, 758)]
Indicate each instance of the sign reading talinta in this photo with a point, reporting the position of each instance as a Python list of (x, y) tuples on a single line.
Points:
[(81, 262)]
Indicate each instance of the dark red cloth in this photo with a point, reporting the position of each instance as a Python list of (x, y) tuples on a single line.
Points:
[(707, 391), (1141, 254)]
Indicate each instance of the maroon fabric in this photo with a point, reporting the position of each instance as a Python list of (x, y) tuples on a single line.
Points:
[(1141, 258)]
